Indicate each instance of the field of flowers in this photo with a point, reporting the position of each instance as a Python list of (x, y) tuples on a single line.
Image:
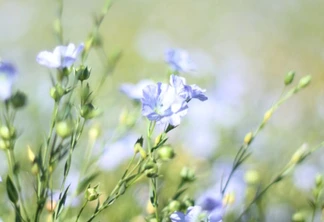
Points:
[(161, 111)]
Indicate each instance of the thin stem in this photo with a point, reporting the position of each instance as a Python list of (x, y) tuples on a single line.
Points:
[(49, 137), (82, 208)]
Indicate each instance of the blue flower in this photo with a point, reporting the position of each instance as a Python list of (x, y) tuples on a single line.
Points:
[(61, 57), (162, 104), (212, 203), (179, 60), (135, 91), (7, 76), (188, 92), (193, 215)]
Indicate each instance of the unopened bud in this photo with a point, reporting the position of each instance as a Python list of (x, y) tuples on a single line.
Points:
[(187, 175), (319, 180), (298, 217), (151, 169), (267, 115), (31, 155), (149, 208), (289, 78), (7, 133), (166, 153), (50, 206), (5, 144), (35, 169), (159, 138), (252, 177), (300, 154), (303, 82), (57, 92), (228, 199), (83, 73), (18, 100), (92, 193), (94, 132), (88, 111), (64, 129), (174, 205), (248, 138)]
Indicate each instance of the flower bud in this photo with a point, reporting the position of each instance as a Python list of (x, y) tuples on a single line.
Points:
[(7, 133), (31, 155), (228, 199), (289, 78), (83, 73), (319, 180), (5, 144), (88, 111), (35, 169), (57, 92), (127, 118), (300, 154), (149, 208), (92, 193), (50, 206), (252, 177), (248, 138), (267, 115), (94, 132), (64, 129), (304, 81), (174, 205), (166, 153), (159, 138), (188, 202), (187, 174), (298, 217), (151, 169), (18, 100)]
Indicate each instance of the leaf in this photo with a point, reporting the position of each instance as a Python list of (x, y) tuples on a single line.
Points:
[(179, 193), (85, 182), (12, 191), (67, 166), (61, 202)]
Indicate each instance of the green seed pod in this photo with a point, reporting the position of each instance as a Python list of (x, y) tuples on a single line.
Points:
[(64, 129), (188, 175), (252, 177), (319, 180), (83, 73), (151, 169), (7, 133), (298, 217), (289, 78), (304, 81), (92, 193), (174, 205), (5, 144), (166, 153), (57, 92), (18, 100)]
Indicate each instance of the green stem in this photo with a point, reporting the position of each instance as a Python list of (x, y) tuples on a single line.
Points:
[(82, 208)]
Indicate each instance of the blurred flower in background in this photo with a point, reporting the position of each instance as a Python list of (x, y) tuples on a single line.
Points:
[(115, 154), (135, 91), (179, 60), (7, 76)]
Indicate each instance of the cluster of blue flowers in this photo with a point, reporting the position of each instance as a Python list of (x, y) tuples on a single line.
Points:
[(209, 207), (167, 104)]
